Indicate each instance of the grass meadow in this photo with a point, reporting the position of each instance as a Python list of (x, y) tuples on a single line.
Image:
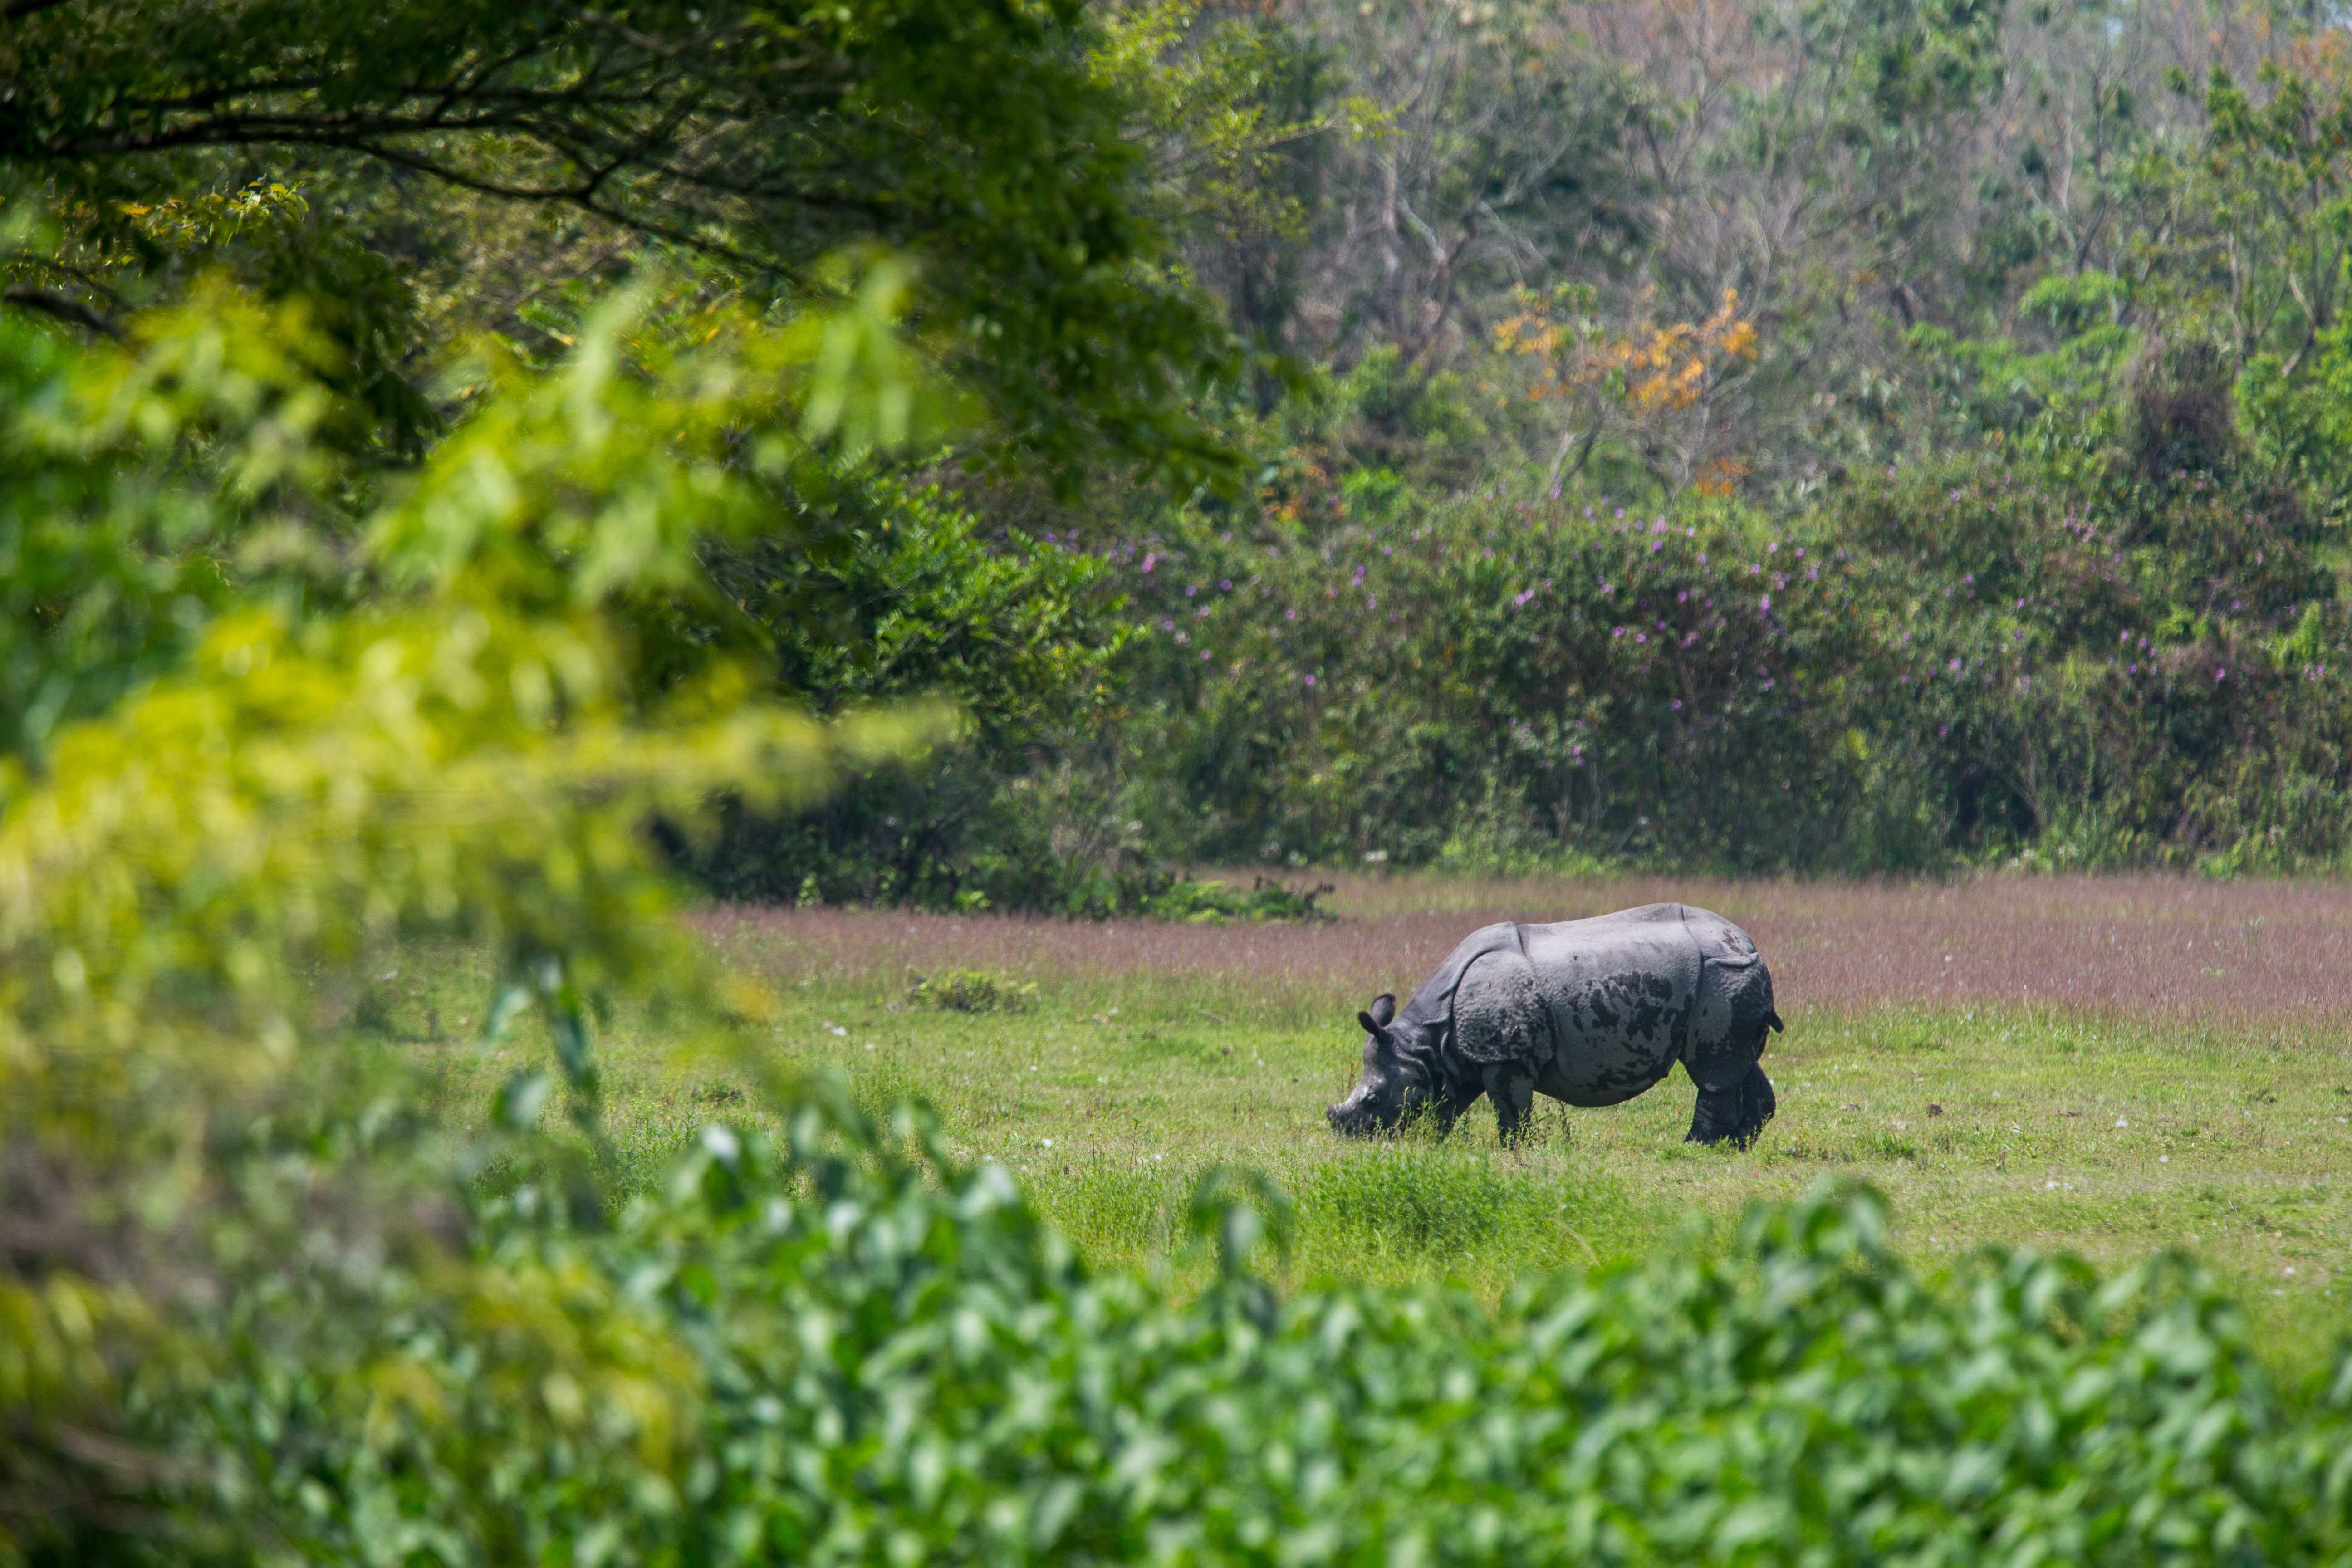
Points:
[(2110, 1067)]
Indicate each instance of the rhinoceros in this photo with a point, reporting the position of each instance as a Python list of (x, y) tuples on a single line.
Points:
[(1591, 1012)]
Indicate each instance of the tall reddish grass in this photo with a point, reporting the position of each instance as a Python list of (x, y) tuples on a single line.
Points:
[(2159, 948)]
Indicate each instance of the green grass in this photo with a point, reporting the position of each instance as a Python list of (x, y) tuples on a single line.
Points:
[(1110, 1091)]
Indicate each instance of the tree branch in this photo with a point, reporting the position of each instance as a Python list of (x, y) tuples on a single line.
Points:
[(62, 307)]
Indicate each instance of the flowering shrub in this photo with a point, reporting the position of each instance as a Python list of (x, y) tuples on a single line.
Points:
[(1945, 664)]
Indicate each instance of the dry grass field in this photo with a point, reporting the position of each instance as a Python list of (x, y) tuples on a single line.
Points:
[(2109, 1067)]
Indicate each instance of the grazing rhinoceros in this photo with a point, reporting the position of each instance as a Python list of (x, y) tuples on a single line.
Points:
[(1591, 1012)]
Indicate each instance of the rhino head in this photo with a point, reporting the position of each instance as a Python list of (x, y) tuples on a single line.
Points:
[(1396, 1079)]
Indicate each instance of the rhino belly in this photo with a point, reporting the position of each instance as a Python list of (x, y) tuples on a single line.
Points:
[(1607, 1070), (1615, 1032)]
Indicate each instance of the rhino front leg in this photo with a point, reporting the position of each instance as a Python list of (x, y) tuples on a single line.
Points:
[(1734, 1115), (1512, 1086), (1446, 1108)]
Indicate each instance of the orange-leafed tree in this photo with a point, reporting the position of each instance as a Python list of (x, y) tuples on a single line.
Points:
[(1653, 387)]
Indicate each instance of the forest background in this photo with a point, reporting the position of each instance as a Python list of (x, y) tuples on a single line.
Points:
[(464, 465), (1839, 436)]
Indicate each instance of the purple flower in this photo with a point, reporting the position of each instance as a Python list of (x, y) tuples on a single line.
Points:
[(1167, 625), (1621, 512), (1205, 655), (1371, 600), (2219, 674), (1606, 590), (1616, 631), (1049, 536), (1290, 614), (1190, 589), (1149, 561), (1555, 492), (1677, 704), (1656, 545), (1683, 598), (1954, 667), (1765, 606), (1658, 525), (1773, 548), (2132, 669), (1801, 553), (1701, 557), (1310, 679), (1641, 636), (1225, 584)]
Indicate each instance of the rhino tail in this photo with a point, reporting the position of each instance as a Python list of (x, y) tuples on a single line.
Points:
[(1774, 1019)]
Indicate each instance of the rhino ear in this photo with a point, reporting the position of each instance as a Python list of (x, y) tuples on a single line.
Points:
[(1371, 1025), (1383, 1010)]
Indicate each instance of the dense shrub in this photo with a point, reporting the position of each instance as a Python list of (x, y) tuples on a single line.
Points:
[(1946, 664), (906, 597)]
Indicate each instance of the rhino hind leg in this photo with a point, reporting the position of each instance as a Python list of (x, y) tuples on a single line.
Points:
[(1735, 1115)]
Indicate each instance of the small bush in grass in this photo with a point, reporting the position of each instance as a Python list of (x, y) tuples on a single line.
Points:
[(1213, 903), (973, 991)]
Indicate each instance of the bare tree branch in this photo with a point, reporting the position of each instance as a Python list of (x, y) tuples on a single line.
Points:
[(61, 307)]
